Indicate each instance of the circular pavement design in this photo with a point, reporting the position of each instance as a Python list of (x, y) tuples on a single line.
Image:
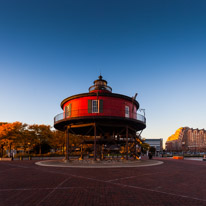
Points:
[(99, 164)]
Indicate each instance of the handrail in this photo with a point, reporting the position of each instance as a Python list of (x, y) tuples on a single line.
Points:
[(84, 113)]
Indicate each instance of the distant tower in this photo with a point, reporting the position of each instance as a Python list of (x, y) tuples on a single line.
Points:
[(101, 114)]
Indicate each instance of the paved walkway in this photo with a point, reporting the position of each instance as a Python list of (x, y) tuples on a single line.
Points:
[(176, 182)]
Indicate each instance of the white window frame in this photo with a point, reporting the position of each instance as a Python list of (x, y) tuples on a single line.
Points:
[(95, 106), (126, 111)]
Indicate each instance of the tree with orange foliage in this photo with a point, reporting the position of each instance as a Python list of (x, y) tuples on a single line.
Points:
[(58, 140), (9, 135), (40, 134)]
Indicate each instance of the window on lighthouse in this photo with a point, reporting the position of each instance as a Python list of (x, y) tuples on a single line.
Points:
[(68, 110), (95, 106), (126, 111)]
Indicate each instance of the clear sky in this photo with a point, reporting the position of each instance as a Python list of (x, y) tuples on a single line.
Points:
[(50, 50)]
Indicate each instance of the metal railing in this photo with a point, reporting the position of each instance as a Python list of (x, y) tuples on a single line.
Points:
[(101, 87), (111, 113)]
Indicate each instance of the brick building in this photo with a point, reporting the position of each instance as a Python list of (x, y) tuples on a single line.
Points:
[(1, 123), (187, 139)]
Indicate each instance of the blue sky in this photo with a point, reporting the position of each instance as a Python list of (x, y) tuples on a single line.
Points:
[(50, 50)]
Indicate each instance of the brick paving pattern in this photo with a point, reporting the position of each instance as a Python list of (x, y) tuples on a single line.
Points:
[(176, 182)]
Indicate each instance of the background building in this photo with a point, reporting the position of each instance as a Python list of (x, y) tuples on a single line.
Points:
[(156, 143), (187, 140), (3, 123)]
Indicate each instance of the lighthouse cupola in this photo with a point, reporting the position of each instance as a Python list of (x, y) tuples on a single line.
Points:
[(100, 85)]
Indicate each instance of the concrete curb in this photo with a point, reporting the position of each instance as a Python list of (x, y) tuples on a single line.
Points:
[(125, 164)]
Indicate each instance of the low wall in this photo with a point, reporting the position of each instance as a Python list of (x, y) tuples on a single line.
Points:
[(5, 159)]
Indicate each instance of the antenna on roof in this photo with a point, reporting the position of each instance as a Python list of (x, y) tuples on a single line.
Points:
[(135, 95), (133, 99)]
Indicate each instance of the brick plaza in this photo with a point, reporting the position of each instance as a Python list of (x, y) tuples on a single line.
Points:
[(176, 182)]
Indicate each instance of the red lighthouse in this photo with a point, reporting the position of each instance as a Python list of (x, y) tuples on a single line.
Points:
[(104, 115)]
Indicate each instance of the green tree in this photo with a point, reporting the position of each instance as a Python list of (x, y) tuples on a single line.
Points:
[(152, 150), (145, 147)]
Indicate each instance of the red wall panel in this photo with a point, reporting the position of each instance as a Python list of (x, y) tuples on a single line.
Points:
[(111, 107)]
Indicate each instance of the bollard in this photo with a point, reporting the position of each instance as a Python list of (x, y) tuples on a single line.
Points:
[(30, 158), (21, 158)]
